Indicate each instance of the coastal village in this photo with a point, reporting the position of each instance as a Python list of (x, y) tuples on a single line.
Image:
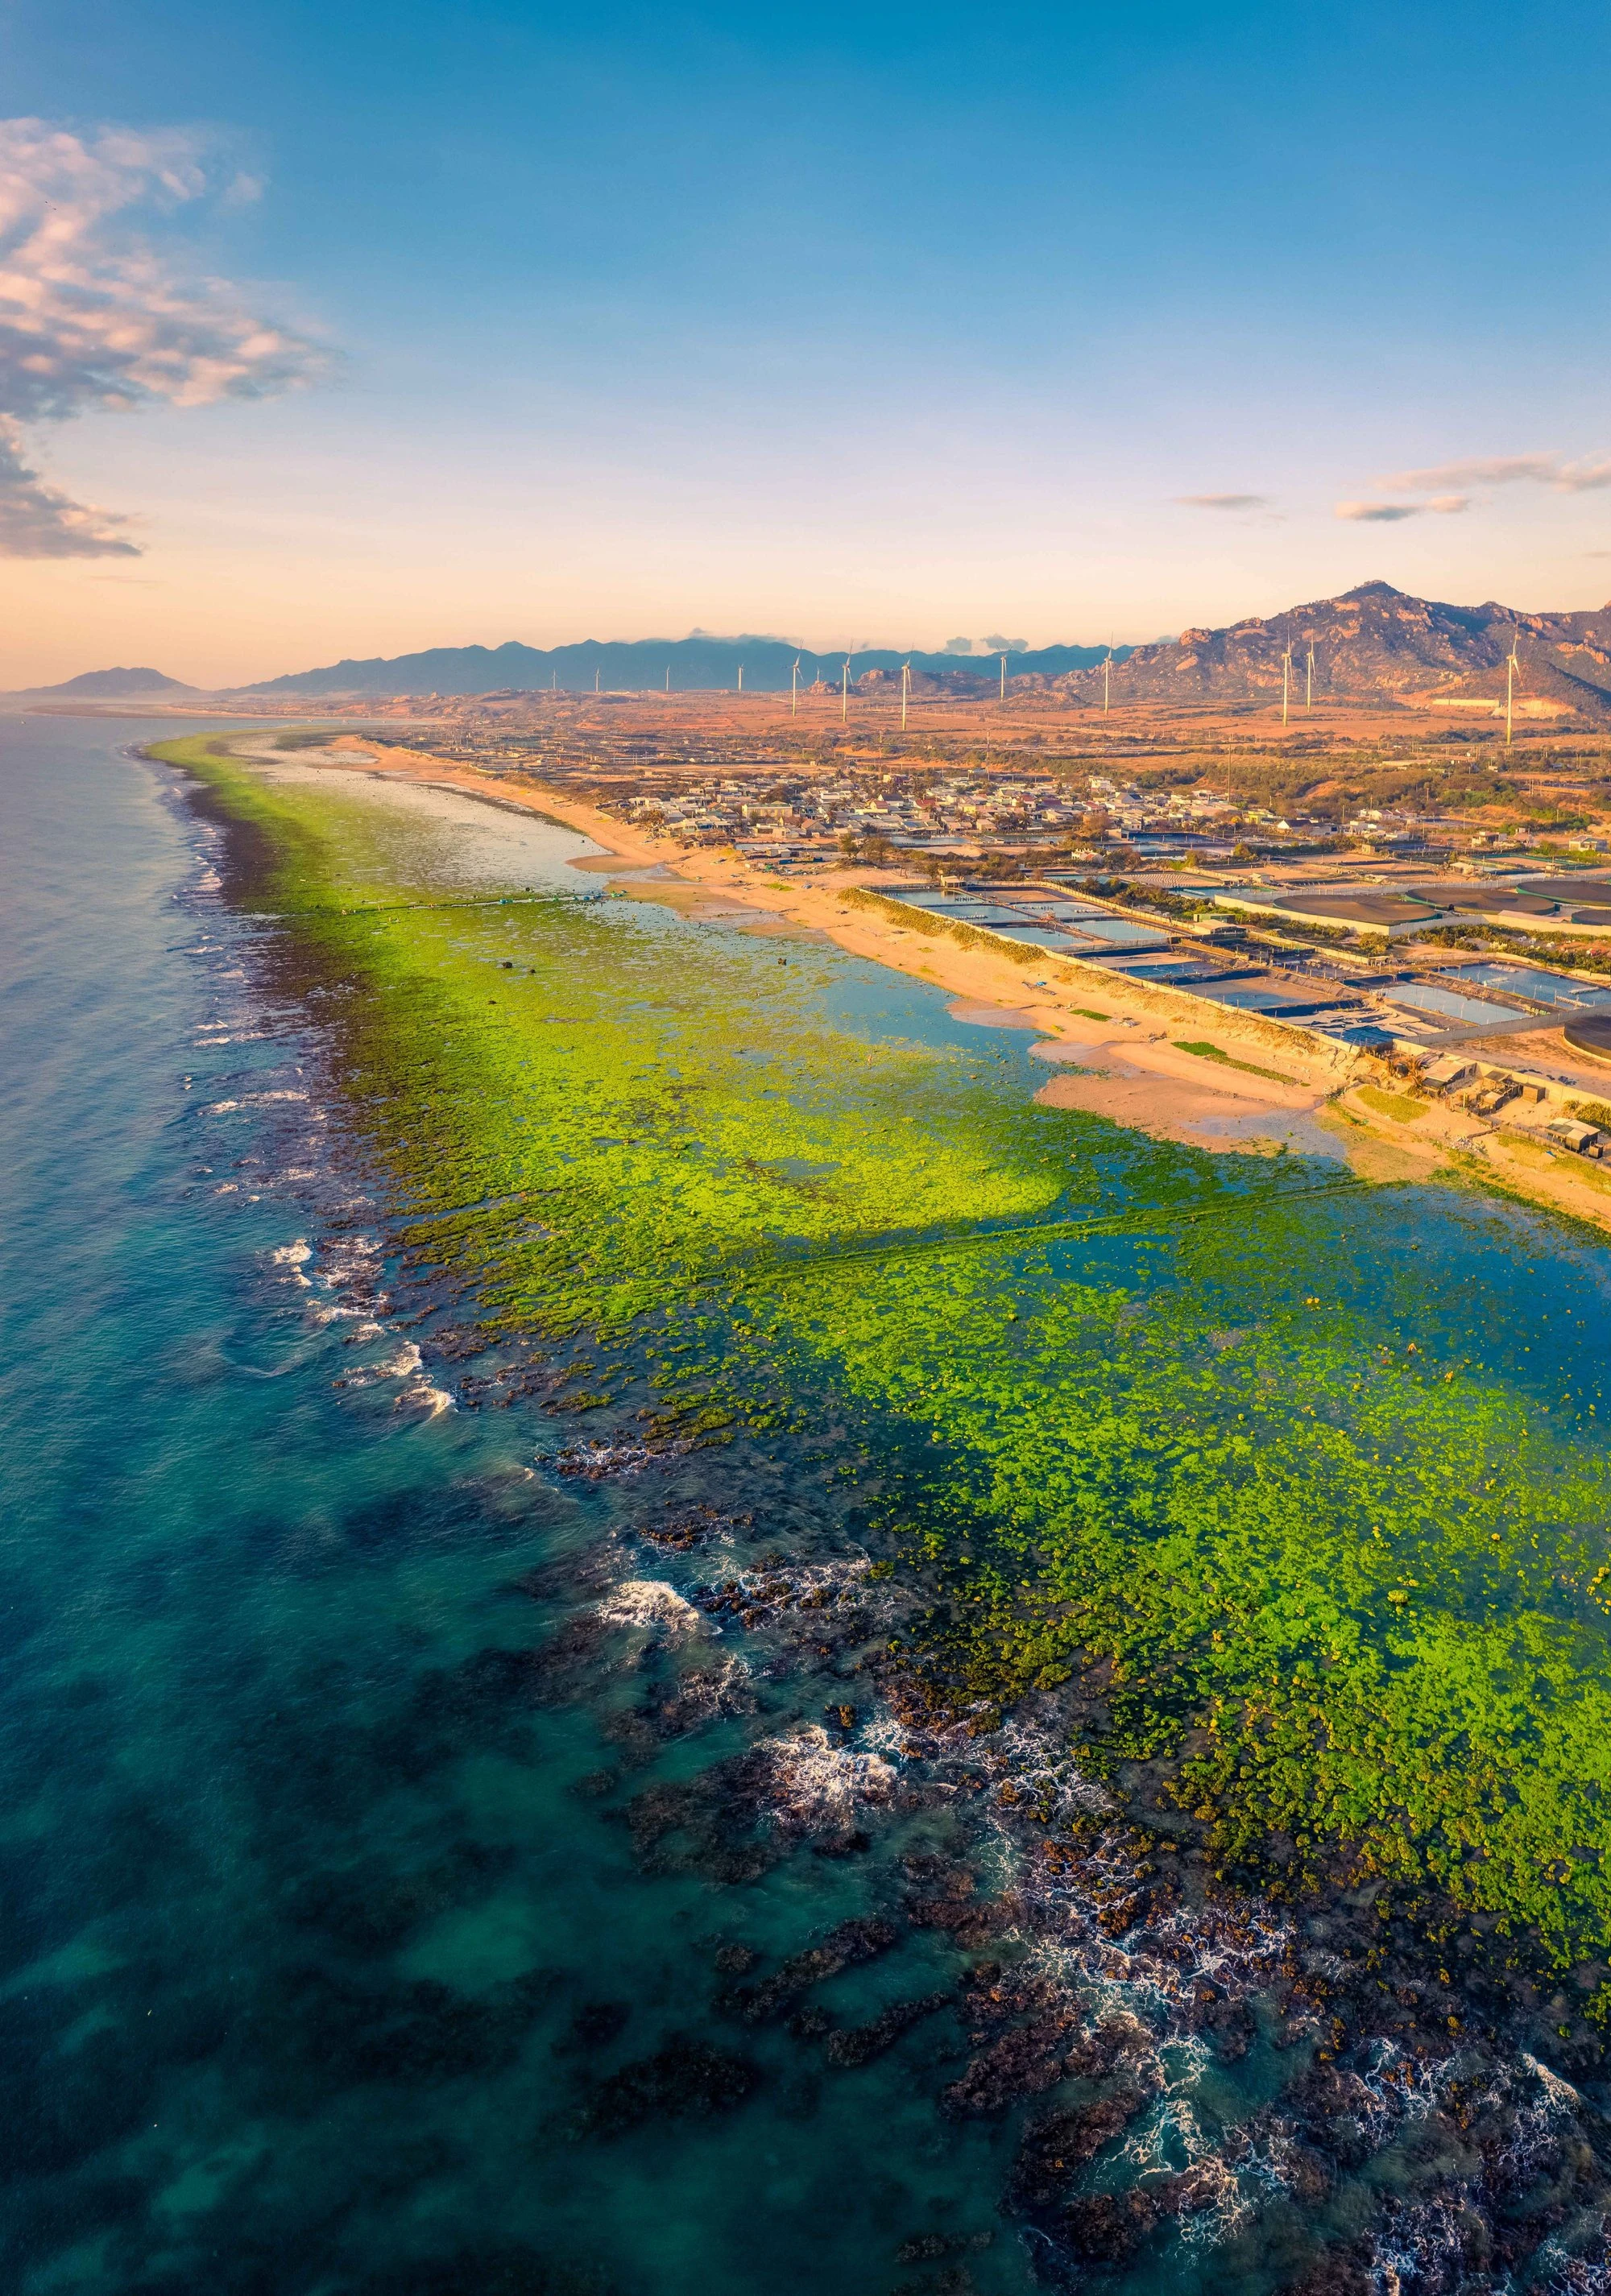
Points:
[(1428, 975)]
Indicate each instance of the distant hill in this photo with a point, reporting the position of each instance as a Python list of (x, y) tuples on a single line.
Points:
[(1376, 644), (695, 665), (112, 685)]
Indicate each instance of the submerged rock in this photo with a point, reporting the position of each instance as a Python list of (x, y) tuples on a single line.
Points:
[(687, 2078), (859, 2044)]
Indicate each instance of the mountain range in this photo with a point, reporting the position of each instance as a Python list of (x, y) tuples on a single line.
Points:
[(114, 685), (1374, 646), (676, 665)]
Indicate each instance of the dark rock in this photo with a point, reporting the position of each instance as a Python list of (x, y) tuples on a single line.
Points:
[(1107, 2227), (595, 1782), (1023, 2062), (855, 1941), (483, 2271), (1053, 2150), (594, 2026), (928, 2247), (1335, 2272), (859, 2044), (687, 2079)]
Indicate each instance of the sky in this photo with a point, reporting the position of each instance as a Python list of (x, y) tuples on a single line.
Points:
[(331, 332)]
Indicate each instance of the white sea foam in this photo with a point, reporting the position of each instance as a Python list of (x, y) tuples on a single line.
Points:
[(818, 1784), (596, 1462), (426, 1398), (650, 1602)]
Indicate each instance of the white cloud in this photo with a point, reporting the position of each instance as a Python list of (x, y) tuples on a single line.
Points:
[(1382, 513), (1386, 513), (96, 312), (1007, 645), (37, 521), (1505, 470), (1224, 502)]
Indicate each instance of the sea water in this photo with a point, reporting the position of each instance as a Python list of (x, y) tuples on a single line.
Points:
[(434, 1853), (316, 1930)]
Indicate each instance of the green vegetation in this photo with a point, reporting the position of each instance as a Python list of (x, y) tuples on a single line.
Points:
[(1205, 1052), (1576, 953), (1330, 1551), (1396, 1105)]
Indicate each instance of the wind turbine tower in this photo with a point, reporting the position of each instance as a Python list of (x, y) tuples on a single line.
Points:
[(794, 689), (905, 688), (1003, 678), (1513, 670), (1107, 677), (1285, 681), (1309, 688), (844, 693)]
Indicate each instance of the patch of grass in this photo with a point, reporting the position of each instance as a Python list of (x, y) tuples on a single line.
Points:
[(1592, 1111), (1395, 1105), (1249, 1068), (1575, 1168), (1089, 1013)]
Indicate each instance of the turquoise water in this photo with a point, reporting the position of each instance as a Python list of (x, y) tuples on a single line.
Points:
[(404, 1888), (322, 1927)]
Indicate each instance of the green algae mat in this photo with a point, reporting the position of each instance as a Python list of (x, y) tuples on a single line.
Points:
[(1304, 1480)]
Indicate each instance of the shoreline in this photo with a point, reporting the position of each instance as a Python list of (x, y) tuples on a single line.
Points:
[(1117, 1048)]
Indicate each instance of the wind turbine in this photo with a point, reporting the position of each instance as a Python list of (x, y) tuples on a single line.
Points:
[(1513, 670), (668, 677), (741, 677), (794, 689), (1003, 678)]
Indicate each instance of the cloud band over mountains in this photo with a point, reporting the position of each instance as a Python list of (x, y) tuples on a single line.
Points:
[(97, 312)]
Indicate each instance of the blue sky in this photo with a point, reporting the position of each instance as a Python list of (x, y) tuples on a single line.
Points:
[(873, 324)]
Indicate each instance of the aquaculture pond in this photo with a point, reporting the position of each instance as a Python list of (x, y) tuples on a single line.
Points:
[(662, 1638)]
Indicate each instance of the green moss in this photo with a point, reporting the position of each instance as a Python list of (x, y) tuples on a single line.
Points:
[(1344, 1578), (1205, 1052), (1397, 1106)]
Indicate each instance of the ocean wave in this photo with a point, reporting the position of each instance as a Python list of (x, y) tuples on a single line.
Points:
[(649, 1603), (819, 1784)]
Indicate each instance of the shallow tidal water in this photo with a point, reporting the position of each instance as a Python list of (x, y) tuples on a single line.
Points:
[(451, 1843)]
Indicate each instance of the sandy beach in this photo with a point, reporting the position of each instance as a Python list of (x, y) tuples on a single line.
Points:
[(1149, 1059)]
